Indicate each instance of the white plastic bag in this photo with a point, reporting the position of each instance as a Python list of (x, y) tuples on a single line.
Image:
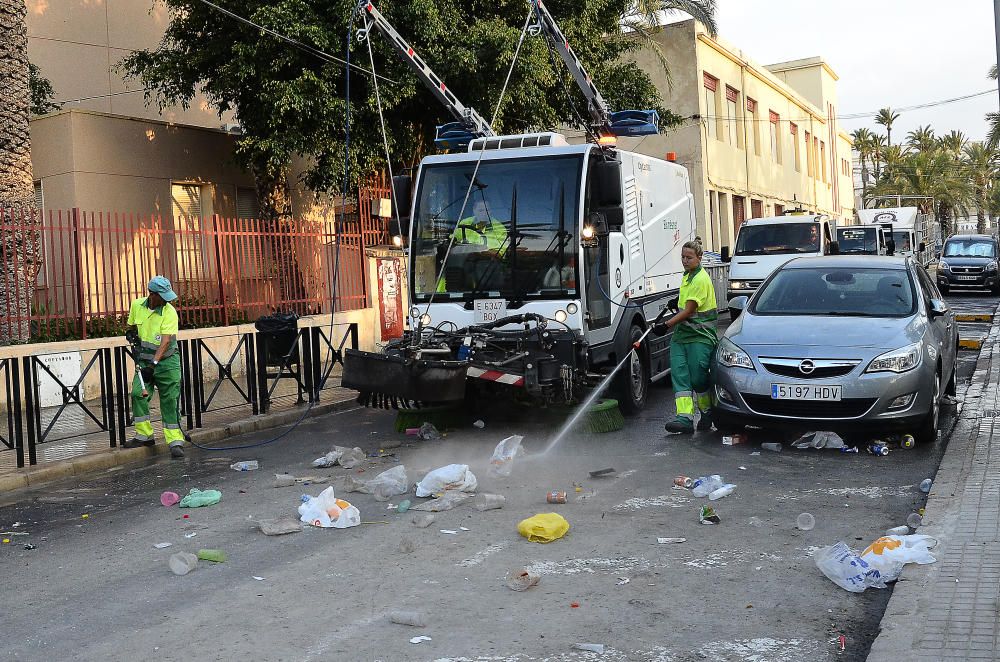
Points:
[(452, 477), (447, 501), (824, 439), (888, 554), (327, 460), (326, 511), (845, 568), (346, 457), (502, 462), (388, 484)]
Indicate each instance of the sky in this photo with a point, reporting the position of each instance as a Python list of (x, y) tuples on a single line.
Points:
[(886, 53)]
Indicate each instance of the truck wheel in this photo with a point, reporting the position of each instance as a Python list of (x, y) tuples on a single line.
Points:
[(632, 382)]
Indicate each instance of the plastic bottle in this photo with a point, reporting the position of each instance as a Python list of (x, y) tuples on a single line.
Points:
[(488, 502), (925, 485), (907, 441), (805, 522), (771, 446), (215, 555), (246, 465), (705, 485), (879, 449), (182, 563), (723, 491), (914, 520), (848, 449), (411, 618), (898, 531)]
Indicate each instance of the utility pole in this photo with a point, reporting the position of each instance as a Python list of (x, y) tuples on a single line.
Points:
[(996, 33)]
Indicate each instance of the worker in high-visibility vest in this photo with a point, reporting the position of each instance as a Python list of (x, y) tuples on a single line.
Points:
[(692, 345), (479, 229), (153, 324)]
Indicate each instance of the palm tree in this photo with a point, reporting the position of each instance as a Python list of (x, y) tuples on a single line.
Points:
[(886, 117), (993, 135), (878, 146), (921, 138), (18, 241), (644, 18), (981, 165), (953, 143), (862, 139)]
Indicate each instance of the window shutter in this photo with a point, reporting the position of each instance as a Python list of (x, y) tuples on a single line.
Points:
[(711, 82), (732, 94), (773, 116), (794, 128), (246, 203), (751, 105)]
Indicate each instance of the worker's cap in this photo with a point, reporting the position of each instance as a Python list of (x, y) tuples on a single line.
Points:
[(161, 285)]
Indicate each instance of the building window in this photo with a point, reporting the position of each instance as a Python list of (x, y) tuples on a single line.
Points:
[(752, 118), (756, 208), (779, 209), (809, 155), (816, 164), (712, 104), (188, 210), (775, 143), (739, 213), (246, 203), (822, 157), (732, 117), (793, 129)]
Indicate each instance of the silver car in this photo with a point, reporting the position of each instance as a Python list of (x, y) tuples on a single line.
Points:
[(838, 343)]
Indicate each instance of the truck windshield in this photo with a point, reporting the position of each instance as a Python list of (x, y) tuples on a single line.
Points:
[(778, 238), (516, 239), (969, 248), (858, 240), (902, 239)]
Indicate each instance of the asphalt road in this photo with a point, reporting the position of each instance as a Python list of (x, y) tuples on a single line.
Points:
[(95, 587)]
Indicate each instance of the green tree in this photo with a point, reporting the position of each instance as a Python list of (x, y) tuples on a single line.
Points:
[(42, 92), (878, 147), (981, 167), (644, 17), (953, 143), (862, 139), (886, 117), (290, 102), (921, 138), (993, 134)]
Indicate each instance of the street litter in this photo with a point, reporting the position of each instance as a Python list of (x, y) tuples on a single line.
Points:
[(879, 563), (898, 531), (260, 579), (213, 555), (822, 439), (169, 498), (913, 520), (878, 447), (556, 497), (29, 547), (352, 484), (502, 462), (684, 481), (709, 516), (446, 501), (450, 532), (411, 618), (670, 541), (326, 511), (450, 477), (521, 579), (279, 526), (190, 535), (742, 468), (734, 440), (806, 522), (403, 506), (593, 648), (246, 465), (182, 563), (346, 457), (389, 483), (462, 528), (284, 480), (705, 485), (771, 446), (622, 581), (423, 521), (925, 485), (428, 432), (544, 527), (602, 473), (14, 533), (484, 502), (755, 453), (722, 492), (197, 498), (162, 545), (479, 424), (417, 640)]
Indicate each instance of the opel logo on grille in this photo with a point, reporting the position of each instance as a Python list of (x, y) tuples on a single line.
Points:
[(807, 367)]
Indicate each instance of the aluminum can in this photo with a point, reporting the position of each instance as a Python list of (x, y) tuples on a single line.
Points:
[(556, 497)]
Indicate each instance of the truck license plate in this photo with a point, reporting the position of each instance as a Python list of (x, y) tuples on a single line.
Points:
[(489, 310), (826, 392)]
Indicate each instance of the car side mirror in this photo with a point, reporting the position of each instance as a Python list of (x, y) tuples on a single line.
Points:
[(938, 308), (726, 257), (834, 248), (737, 305), (922, 247)]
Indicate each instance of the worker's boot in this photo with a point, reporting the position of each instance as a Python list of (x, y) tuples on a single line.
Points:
[(138, 443), (177, 450), (679, 426)]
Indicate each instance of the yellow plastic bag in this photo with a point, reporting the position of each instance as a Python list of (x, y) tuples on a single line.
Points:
[(544, 527)]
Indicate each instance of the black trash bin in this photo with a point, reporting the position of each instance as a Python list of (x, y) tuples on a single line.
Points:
[(280, 333)]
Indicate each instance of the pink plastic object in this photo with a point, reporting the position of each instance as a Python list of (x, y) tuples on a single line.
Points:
[(169, 498), (413, 432)]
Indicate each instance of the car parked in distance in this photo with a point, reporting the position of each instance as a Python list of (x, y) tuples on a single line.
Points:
[(969, 261), (838, 343)]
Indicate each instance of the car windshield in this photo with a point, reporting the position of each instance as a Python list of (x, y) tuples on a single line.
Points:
[(969, 248), (516, 239), (778, 238), (858, 240), (837, 291)]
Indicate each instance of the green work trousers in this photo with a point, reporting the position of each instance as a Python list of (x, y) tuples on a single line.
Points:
[(166, 380), (690, 371)]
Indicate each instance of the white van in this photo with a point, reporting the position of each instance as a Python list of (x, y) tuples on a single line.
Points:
[(764, 244)]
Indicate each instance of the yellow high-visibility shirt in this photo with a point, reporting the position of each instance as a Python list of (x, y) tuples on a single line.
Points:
[(153, 324)]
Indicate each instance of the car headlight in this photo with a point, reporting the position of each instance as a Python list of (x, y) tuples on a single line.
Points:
[(943, 265), (898, 360), (731, 356), (992, 266)]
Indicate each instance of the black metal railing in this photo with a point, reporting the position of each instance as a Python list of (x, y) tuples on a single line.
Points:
[(252, 372)]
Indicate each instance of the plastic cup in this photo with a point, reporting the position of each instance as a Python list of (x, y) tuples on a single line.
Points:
[(182, 563), (914, 520), (169, 498), (805, 522)]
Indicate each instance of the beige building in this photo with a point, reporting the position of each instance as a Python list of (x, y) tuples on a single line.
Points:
[(757, 140)]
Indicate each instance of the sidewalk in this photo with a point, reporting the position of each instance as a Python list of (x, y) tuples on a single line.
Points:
[(950, 610)]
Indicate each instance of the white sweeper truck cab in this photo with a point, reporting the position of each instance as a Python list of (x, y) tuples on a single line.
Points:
[(764, 244), (536, 266), (864, 240)]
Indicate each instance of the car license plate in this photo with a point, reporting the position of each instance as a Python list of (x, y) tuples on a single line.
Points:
[(827, 392), (967, 277), (489, 310)]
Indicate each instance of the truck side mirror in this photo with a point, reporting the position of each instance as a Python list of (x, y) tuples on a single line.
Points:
[(834, 248), (606, 184), (726, 257), (599, 223), (922, 247), (890, 247)]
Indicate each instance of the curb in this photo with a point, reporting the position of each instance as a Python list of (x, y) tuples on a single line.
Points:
[(970, 343), (973, 317), (113, 457)]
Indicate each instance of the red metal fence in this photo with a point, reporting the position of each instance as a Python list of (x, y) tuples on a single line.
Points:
[(225, 270)]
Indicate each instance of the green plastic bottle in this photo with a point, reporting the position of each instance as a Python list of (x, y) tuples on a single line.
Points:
[(215, 555)]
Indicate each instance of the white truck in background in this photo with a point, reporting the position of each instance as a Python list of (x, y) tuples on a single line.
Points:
[(764, 244), (864, 240), (912, 232)]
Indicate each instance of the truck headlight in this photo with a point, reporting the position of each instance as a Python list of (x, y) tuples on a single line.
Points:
[(739, 285), (572, 309), (731, 356), (561, 316), (903, 359), (425, 320)]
